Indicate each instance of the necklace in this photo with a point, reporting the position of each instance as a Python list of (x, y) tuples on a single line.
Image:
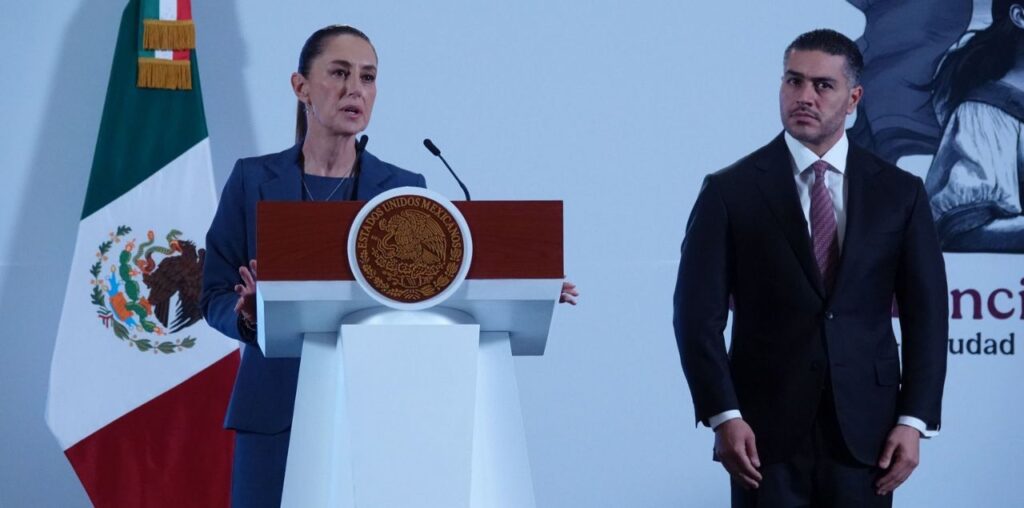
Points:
[(353, 175), (329, 196)]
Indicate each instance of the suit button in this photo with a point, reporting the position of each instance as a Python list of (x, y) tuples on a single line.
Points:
[(829, 315)]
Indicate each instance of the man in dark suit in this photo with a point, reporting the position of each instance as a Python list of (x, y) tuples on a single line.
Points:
[(810, 238)]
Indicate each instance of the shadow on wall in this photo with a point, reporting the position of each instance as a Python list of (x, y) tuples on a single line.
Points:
[(223, 58), (33, 470)]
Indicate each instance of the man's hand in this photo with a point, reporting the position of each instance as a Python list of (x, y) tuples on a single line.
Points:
[(900, 456), (735, 448)]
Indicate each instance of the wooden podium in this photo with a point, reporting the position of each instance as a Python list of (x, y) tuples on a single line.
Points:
[(407, 408)]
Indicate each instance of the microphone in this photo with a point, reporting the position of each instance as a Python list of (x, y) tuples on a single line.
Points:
[(437, 153), (361, 144)]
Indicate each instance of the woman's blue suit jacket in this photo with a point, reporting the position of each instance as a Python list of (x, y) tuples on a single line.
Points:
[(264, 393)]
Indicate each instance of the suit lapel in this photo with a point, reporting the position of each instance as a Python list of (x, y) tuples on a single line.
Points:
[(860, 167), (372, 175), (286, 182), (775, 181)]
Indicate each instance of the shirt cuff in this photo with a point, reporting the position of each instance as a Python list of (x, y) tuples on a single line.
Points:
[(723, 417), (918, 424)]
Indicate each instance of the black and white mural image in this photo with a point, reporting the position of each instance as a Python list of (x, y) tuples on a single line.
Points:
[(957, 94)]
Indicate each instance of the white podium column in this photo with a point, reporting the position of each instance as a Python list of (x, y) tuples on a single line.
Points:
[(501, 465), (384, 413)]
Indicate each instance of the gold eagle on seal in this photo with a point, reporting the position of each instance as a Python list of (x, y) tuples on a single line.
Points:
[(413, 250)]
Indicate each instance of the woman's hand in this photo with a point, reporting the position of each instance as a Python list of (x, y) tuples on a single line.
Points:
[(569, 293), (246, 291)]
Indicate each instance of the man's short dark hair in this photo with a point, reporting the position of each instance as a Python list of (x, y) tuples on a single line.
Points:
[(833, 43)]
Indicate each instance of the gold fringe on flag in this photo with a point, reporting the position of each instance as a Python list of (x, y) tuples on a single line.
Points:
[(168, 34), (166, 74)]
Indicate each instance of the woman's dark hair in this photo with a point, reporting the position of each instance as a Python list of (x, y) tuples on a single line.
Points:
[(987, 56), (313, 47)]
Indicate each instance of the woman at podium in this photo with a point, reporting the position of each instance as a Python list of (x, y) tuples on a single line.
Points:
[(335, 85)]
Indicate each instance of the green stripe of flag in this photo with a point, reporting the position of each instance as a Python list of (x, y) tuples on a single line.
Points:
[(142, 129), (148, 9)]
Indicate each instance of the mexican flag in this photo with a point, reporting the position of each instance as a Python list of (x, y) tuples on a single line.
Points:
[(139, 383)]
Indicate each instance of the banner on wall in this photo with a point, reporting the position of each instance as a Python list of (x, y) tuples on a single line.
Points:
[(139, 383), (952, 97)]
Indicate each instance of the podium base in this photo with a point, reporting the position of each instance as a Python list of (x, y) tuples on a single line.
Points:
[(403, 409)]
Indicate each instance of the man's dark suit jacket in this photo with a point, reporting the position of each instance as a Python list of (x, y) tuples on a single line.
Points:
[(747, 238), (264, 395)]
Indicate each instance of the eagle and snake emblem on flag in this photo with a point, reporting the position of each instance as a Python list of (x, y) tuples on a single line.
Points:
[(149, 290)]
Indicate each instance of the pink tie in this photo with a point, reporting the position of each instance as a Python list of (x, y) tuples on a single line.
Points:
[(824, 234)]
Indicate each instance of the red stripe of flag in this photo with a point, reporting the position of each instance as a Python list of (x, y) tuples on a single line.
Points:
[(181, 55), (184, 9), (170, 452)]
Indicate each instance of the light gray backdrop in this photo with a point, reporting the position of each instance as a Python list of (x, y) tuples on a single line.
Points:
[(617, 108)]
